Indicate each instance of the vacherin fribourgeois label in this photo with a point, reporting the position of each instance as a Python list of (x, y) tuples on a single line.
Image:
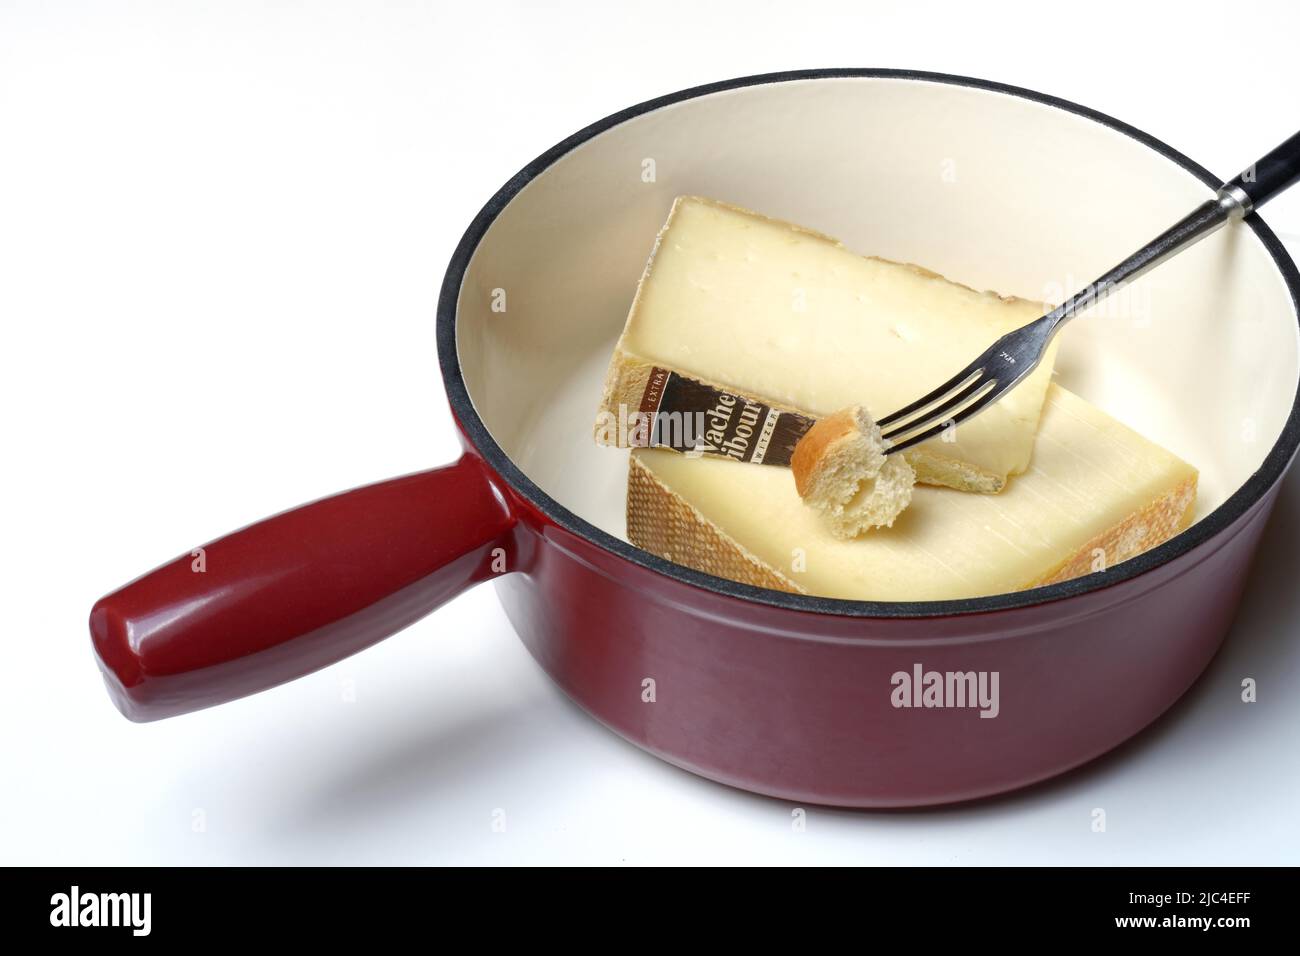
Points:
[(689, 416)]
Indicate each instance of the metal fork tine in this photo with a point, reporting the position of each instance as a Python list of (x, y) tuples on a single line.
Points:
[(1018, 352), (957, 381), (941, 412), (992, 395)]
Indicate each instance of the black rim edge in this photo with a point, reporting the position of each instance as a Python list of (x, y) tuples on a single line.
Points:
[(1234, 507)]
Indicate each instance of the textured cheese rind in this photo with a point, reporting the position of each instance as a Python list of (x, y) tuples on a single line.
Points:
[(1095, 488), (664, 523), (809, 374)]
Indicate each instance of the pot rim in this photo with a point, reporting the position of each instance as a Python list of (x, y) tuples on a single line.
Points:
[(1238, 504)]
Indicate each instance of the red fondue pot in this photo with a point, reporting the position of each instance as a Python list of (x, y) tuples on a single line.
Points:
[(782, 694)]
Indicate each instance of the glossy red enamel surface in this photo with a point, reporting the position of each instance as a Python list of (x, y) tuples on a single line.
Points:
[(779, 701), (798, 705), (300, 590)]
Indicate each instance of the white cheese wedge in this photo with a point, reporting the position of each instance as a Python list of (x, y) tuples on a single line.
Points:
[(1096, 493), (791, 318)]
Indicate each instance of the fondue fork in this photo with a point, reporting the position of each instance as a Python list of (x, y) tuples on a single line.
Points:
[(1006, 362)]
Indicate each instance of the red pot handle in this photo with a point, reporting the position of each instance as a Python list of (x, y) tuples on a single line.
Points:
[(303, 589)]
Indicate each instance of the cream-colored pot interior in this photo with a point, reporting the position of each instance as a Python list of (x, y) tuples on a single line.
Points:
[(991, 189)]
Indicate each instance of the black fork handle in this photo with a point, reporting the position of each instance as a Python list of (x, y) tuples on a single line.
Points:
[(1271, 174)]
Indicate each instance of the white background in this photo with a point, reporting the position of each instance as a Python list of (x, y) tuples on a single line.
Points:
[(222, 230)]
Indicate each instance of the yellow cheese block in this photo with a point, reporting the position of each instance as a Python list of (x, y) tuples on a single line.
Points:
[(1095, 494), (792, 318)]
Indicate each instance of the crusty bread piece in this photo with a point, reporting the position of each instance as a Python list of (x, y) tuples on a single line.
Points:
[(842, 472), (793, 367), (1097, 494)]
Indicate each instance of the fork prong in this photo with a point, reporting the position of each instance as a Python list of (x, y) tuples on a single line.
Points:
[(959, 380), (941, 412), (1001, 367), (981, 401)]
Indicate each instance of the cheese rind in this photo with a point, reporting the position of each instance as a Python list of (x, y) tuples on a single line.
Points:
[(1096, 494), (787, 316)]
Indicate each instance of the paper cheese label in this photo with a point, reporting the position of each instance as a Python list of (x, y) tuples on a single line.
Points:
[(698, 419)]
